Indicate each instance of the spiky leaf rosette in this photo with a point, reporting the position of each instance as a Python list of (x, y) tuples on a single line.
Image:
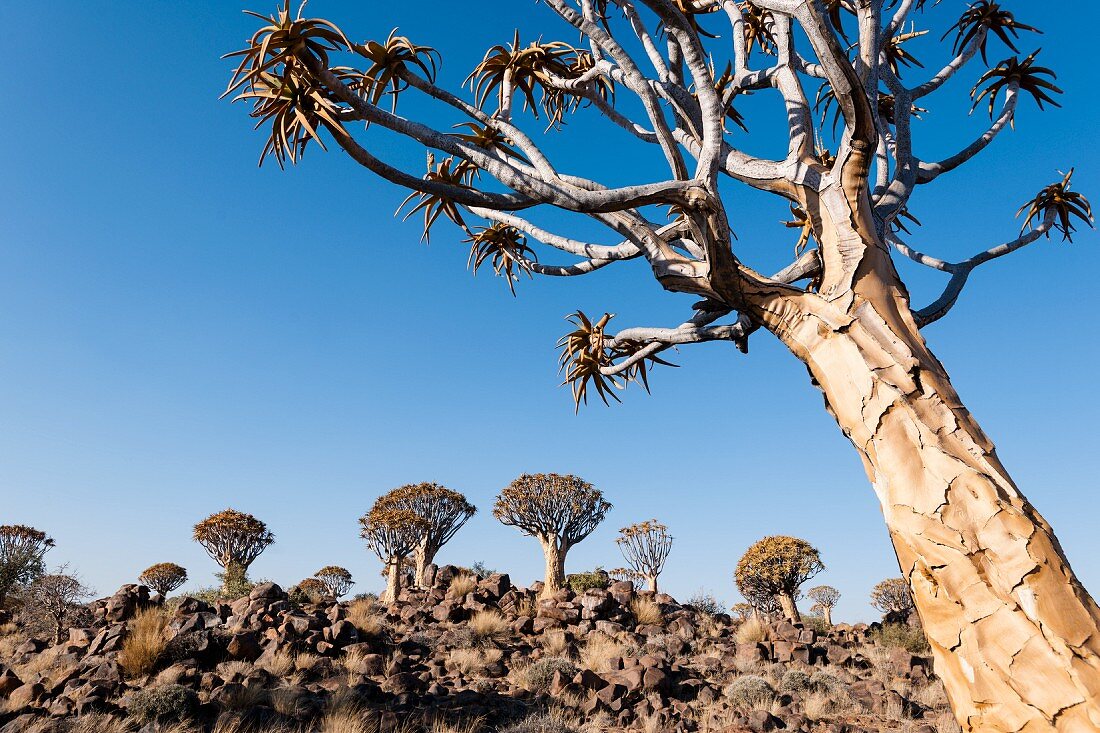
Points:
[(758, 30), (274, 74), (892, 595), (505, 247), (1025, 74), (896, 55), (990, 17), (388, 60), (460, 174), (164, 577), (586, 350), (488, 138), (1063, 203), (538, 66)]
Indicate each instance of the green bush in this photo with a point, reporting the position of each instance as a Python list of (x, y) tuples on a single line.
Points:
[(905, 636), (167, 702), (538, 675), (580, 582), (751, 691)]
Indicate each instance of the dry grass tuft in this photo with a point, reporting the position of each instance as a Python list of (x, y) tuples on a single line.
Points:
[(821, 705), (645, 611), (462, 584), (526, 607), (8, 629), (473, 661), (599, 650), (306, 662), (555, 643), (145, 643), (364, 616), (750, 631), (280, 664), (489, 626), (237, 667)]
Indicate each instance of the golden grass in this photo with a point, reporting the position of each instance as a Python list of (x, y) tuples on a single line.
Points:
[(489, 626), (306, 661), (555, 643), (820, 705), (526, 607), (646, 611), (364, 616), (462, 584), (473, 661), (599, 650), (750, 631), (8, 629), (279, 664), (227, 670), (145, 642)]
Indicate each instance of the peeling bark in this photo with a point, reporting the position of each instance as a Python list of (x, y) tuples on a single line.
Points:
[(789, 607), (1013, 632), (555, 567), (393, 580)]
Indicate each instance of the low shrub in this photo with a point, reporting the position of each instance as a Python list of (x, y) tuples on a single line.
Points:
[(580, 582), (750, 691), (905, 636), (538, 675), (826, 682), (598, 650), (794, 680), (750, 631), (167, 702)]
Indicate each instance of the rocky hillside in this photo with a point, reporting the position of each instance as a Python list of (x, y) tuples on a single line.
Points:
[(466, 654)]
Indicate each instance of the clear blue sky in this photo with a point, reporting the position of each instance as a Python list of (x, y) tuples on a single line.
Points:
[(181, 332)]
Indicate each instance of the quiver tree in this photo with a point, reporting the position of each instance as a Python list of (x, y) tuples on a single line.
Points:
[(893, 597), (234, 540), (164, 577), (981, 561), (311, 590), (21, 551), (444, 512), (557, 510), (825, 597), (391, 533), (645, 547), (335, 579), (777, 566)]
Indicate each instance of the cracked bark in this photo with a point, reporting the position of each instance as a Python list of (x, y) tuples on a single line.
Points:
[(1013, 631), (555, 566)]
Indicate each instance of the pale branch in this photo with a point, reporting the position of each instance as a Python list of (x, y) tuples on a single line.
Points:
[(948, 71), (960, 271), (930, 171)]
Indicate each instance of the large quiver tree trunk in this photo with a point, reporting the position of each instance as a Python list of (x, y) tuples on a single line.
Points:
[(1013, 631)]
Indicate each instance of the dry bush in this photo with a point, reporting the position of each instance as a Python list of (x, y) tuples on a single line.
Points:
[(750, 631), (554, 720), (8, 629), (280, 664), (910, 638), (646, 611), (751, 692), (363, 615), (346, 719), (599, 650), (462, 584), (474, 725), (537, 676), (489, 626), (38, 664), (819, 705), (245, 698), (526, 607), (145, 642), (555, 643), (931, 695)]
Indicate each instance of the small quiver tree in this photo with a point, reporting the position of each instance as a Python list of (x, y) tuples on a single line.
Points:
[(335, 579), (778, 566), (234, 540), (310, 590), (893, 597), (55, 596), (21, 551), (645, 547), (391, 533), (826, 597), (444, 512), (164, 577), (557, 510)]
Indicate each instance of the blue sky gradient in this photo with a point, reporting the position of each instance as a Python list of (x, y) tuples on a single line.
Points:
[(181, 331)]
